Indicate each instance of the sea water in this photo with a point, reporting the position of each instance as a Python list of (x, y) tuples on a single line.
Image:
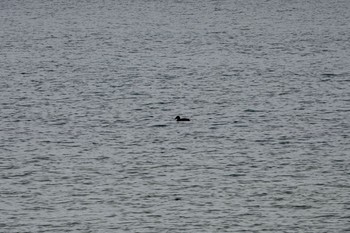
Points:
[(88, 95)]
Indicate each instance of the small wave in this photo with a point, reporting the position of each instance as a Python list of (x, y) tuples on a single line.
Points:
[(252, 110), (180, 148), (159, 125), (236, 175), (329, 74)]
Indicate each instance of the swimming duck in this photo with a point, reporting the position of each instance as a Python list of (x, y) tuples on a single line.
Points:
[(181, 119)]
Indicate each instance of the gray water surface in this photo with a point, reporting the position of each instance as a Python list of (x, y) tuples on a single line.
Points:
[(88, 95)]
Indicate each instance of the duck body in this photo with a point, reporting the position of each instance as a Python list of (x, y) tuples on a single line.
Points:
[(181, 119)]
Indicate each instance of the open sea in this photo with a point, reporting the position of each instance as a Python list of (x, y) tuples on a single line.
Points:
[(89, 90)]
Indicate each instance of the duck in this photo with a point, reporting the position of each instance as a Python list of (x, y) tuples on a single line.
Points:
[(181, 119)]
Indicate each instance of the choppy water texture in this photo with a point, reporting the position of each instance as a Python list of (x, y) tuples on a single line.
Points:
[(88, 95)]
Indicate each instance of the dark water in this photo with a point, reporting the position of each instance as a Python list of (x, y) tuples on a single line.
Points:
[(88, 95)]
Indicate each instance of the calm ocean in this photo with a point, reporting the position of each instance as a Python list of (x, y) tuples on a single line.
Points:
[(89, 90)]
